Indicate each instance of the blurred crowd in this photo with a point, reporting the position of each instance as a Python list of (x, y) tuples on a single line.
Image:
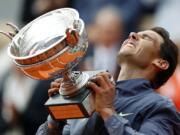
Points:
[(108, 23)]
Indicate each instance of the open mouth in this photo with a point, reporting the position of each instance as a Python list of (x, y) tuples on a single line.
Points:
[(129, 43)]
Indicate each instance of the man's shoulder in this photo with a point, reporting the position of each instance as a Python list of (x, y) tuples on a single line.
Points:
[(161, 108), (157, 104), (158, 100), (162, 101)]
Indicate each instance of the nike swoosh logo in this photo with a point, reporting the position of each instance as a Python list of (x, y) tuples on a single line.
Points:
[(124, 114)]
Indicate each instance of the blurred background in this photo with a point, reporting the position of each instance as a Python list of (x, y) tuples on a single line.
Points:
[(108, 22)]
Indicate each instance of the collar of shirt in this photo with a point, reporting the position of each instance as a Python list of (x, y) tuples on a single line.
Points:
[(133, 86)]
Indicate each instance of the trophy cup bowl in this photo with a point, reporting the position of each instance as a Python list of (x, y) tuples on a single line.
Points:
[(50, 46), (40, 48)]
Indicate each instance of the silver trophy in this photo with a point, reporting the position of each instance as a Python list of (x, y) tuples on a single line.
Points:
[(51, 46)]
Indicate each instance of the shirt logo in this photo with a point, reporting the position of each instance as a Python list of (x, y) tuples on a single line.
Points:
[(124, 114)]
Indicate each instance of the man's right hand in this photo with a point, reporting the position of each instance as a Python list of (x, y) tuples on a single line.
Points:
[(54, 87)]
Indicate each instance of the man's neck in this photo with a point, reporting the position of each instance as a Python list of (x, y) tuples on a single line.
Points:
[(132, 72)]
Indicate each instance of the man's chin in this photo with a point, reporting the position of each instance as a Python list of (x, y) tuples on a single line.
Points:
[(123, 56), (125, 53)]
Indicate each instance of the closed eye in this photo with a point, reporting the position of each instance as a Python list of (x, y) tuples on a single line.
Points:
[(147, 37)]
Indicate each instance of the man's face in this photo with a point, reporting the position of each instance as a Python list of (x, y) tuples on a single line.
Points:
[(140, 48)]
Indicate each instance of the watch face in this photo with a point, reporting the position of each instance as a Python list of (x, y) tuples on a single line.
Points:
[(41, 44)]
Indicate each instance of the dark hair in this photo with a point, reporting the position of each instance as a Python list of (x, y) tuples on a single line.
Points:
[(169, 52)]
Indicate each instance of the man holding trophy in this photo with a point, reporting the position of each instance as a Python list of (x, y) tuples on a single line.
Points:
[(90, 103)]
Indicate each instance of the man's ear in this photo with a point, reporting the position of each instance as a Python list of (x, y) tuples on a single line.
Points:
[(161, 64)]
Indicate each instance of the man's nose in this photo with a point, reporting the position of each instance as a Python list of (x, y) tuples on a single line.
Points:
[(133, 35)]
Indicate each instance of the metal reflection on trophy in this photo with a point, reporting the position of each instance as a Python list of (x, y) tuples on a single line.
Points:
[(50, 46)]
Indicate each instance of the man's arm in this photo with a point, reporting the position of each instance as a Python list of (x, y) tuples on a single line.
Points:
[(117, 125), (51, 127), (44, 130), (104, 93)]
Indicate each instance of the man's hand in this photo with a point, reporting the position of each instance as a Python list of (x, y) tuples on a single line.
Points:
[(53, 90), (54, 87), (103, 89)]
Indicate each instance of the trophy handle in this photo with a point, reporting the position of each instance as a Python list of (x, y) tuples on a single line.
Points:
[(72, 37), (10, 34), (13, 26)]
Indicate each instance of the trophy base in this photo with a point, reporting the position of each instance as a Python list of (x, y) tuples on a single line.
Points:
[(78, 106)]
